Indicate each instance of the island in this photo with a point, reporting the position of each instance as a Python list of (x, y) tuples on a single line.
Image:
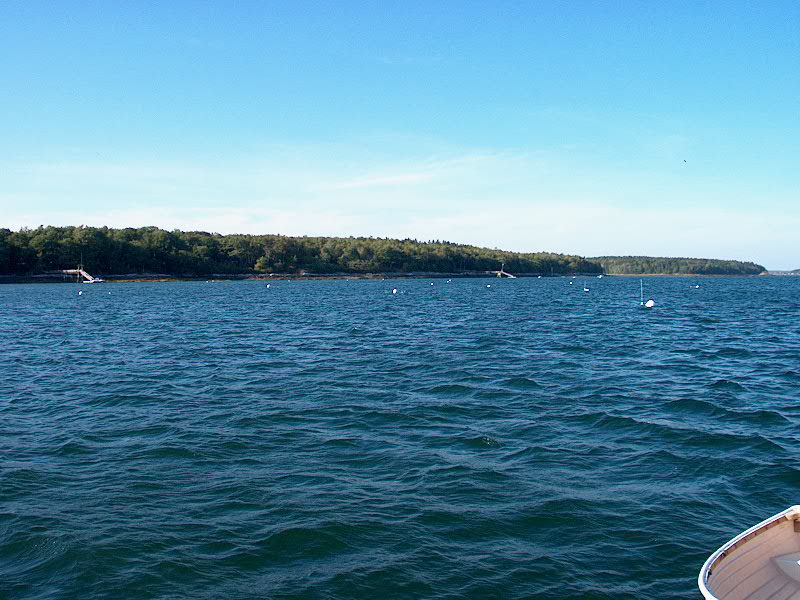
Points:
[(651, 265), (46, 252)]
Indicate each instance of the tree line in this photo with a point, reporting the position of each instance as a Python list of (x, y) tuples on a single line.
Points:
[(648, 265), (104, 251)]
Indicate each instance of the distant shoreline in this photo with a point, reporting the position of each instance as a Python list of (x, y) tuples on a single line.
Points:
[(156, 277), (161, 254), (153, 277), (688, 274)]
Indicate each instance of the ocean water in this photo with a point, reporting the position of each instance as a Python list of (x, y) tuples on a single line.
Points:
[(333, 440)]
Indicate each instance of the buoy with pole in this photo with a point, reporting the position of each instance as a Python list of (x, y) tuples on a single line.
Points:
[(650, 303)]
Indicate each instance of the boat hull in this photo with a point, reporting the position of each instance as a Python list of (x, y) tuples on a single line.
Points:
[(758, 564)]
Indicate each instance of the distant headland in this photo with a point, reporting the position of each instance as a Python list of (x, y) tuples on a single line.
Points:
[(652, 265), (133, 253)]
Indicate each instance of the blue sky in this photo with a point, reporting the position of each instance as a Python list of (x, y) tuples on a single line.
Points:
[(521, 125)]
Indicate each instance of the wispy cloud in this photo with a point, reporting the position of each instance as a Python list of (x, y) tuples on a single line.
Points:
[(526, 201), (378, 181), (594, 229), (417, 172), (253, 220)]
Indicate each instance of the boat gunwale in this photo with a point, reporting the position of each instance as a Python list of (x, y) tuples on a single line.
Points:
[(745, 536)]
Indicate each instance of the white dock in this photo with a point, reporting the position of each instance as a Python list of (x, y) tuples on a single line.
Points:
[(502, 273), (86, 278)]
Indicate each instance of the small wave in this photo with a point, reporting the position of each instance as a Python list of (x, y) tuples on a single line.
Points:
[(554, 512), (154, 431), (761, 417), (303, 542), (521, 383), (789, 476), (538, 453), (690, 351), (732, 441), (72, 448), (482, 442), (705, 320), (726, 384), (22, 480), (617, 424), (452, 389), (271, 364), (572, 349), (484, 342), (31, 550), (566, 365), (733, 353), (171, 452), (386, 417), (705, 408), (493, 394), (237, 506), (112, 400), (341, 442), (694, 406)]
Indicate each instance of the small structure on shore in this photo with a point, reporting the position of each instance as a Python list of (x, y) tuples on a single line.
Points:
[(503, 273), (83, 276)]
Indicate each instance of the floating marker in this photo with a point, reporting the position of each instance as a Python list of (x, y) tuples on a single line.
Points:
[(585, 289), (80, 293), (431, 283), (267, 286), (488, 285), (394, 290)]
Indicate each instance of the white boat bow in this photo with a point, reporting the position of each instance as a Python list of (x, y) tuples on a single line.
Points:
[(762, 563)]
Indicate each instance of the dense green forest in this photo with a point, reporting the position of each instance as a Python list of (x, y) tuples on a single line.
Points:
[(104, 251), (636, 265)]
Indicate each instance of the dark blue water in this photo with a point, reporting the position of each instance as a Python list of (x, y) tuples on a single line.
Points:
[(330, 439)]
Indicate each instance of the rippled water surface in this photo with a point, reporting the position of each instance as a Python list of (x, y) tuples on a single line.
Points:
[(329, 439)]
